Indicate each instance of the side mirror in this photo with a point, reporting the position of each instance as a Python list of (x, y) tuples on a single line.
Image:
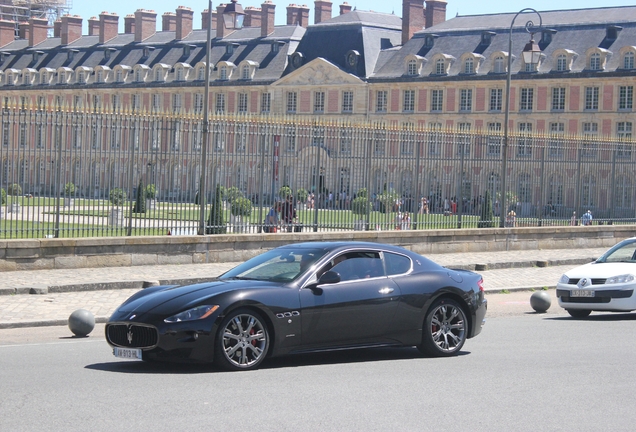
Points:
[(329, 277)]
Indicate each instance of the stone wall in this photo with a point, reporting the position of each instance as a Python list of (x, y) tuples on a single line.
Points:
[(131, 251)]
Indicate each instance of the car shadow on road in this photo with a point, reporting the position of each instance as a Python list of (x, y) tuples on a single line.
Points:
[(296, 360), (610, 316)]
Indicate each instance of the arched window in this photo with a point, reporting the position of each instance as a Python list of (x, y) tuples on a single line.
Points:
[(411, 68), (562, 63), (595, 61), (628, 60), (469, 65), (498, 66)]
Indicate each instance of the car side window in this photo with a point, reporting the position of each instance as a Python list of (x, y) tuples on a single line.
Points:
[(396, 264), (359, 266)]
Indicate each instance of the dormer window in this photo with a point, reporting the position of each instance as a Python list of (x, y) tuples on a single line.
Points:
[(62, 77), (179, 74), (440, 67), (229, 48), (499, 65), (43, 77), (158, 75), (546, 37), (612, 32), (245, 72), (71, 54), (469, 66), (223, 73), (81, 79), (595, 62), (276, 46), (147, 51), (486, 37), (562, 63), (100, 76), (411, 67), (201, 73), (119, 76), (562, 60), (26, 78), (429, 41), (187, 49), (628, 60), (138, 76)]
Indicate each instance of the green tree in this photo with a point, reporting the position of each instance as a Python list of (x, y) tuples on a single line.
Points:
[(301, 195), (151, 191), (241, 207), (360, 206), (117, 196), (140, 202), (486, 219), (232, 194), (216, 224), (14, 189), (69, 189), (285, 192), (4, 195)]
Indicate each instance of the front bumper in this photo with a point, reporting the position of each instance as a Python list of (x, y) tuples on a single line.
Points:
[(620, 299)]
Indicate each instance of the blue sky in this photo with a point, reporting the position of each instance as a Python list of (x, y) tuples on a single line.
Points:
[(87, 9)]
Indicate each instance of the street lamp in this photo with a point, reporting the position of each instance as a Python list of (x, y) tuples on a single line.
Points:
[(531, 55), (233, 18)]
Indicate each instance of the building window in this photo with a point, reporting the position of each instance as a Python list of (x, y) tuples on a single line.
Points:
[(223, 73), (496, 97), (290, 139), (379, 142), (201, 73), (589, 147), (465, 99), (624, 133), (292, 100), (319, 102), (62, 78), (176, 103), (435, 139), (242, 103), (116, 102), (555, 141), (407, 139), (347, 101), (156, 102), (158, 75), (119, 76), (527, 96), (409, 101), (266, 102), (493, 144), (558, 99), (463, 139), (440, 67), (345, 142), (198, 103), (595, 62), (524, 145), (100, 76), (562, 63), (628, 60), (245, 72), (138, 75), (381, 101), (498, 66), (469, 66), (411, 68), (591, 98), (220, 103), (179, 74), (437, 99), (625, 98)]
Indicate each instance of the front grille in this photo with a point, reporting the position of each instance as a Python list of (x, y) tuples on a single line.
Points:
[(601, 296), (575, 281), (131, 335)]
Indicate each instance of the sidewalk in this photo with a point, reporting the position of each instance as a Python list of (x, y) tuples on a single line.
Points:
[(47, 297)]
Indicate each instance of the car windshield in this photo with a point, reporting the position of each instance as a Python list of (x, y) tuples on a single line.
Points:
[(622, 252), (277, 265)]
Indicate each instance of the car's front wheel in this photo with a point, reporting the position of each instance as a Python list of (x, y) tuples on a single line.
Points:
[(242, 341), (579, 313), (445, 329)]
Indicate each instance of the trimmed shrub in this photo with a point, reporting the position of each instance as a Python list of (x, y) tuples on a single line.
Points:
[(117, 196), (14, 189), (241, 207), (216, 224), (360, 206)]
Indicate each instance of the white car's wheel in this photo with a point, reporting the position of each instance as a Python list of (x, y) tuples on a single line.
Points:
[(578, 313)]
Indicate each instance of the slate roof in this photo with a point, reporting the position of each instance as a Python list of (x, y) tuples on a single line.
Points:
[(576, 30)]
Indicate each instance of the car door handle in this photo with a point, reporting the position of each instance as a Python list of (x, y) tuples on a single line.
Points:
[(386, 291)]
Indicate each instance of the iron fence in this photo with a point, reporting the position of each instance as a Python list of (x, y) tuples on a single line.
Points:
[(76, 173)]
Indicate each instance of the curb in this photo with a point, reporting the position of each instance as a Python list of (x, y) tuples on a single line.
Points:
[(44, 323)]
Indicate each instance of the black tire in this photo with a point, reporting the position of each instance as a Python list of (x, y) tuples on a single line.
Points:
[(242, 341), (445, 329), (579, 313)]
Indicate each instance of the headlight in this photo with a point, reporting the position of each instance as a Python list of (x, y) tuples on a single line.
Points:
[(564, 279), (196, 313), (620, 279)]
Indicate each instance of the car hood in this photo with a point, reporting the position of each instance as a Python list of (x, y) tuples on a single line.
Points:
[(602, 270), (172, 300)]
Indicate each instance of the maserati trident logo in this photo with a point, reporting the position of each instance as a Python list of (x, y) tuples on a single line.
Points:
[(129, 336)]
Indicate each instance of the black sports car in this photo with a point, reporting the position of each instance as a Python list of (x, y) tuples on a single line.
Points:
[(300, 298)]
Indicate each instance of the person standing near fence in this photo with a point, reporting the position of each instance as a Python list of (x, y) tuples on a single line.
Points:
[(586, 219), (271, 220), (289, 214)]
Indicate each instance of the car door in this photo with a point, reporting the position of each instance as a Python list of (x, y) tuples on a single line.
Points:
[(358, 309)]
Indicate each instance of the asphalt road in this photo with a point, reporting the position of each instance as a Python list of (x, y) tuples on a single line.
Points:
[(525, 372)]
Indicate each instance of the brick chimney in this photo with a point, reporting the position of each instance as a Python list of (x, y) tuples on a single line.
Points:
[(267, 18), (322, 11), (204, 19), (252, 17), (93, 26), (435, 12), (24, 30), (39, 31), (221, 31), (169, 21), (345, 8), (129, 24), (412, 18), (7, 32), (57, 28), (108, 26), (145, 24), (71, 29), (298, 15), (185, 18)]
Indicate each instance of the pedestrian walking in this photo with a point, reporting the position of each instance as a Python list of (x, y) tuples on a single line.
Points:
[(272, 220), (586, 219)]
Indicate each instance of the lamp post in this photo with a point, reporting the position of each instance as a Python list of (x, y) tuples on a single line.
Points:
[(531, 55), (232, 19)]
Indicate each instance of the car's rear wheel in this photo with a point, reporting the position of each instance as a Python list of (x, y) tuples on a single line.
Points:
[(445, 329), (242, 341), (579, 313)]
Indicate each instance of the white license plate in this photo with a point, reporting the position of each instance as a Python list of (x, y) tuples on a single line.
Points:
[(128, 353), (581, 293)]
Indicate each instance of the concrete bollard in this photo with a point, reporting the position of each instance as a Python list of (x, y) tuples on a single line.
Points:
[(81, 322), (540, 301)]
